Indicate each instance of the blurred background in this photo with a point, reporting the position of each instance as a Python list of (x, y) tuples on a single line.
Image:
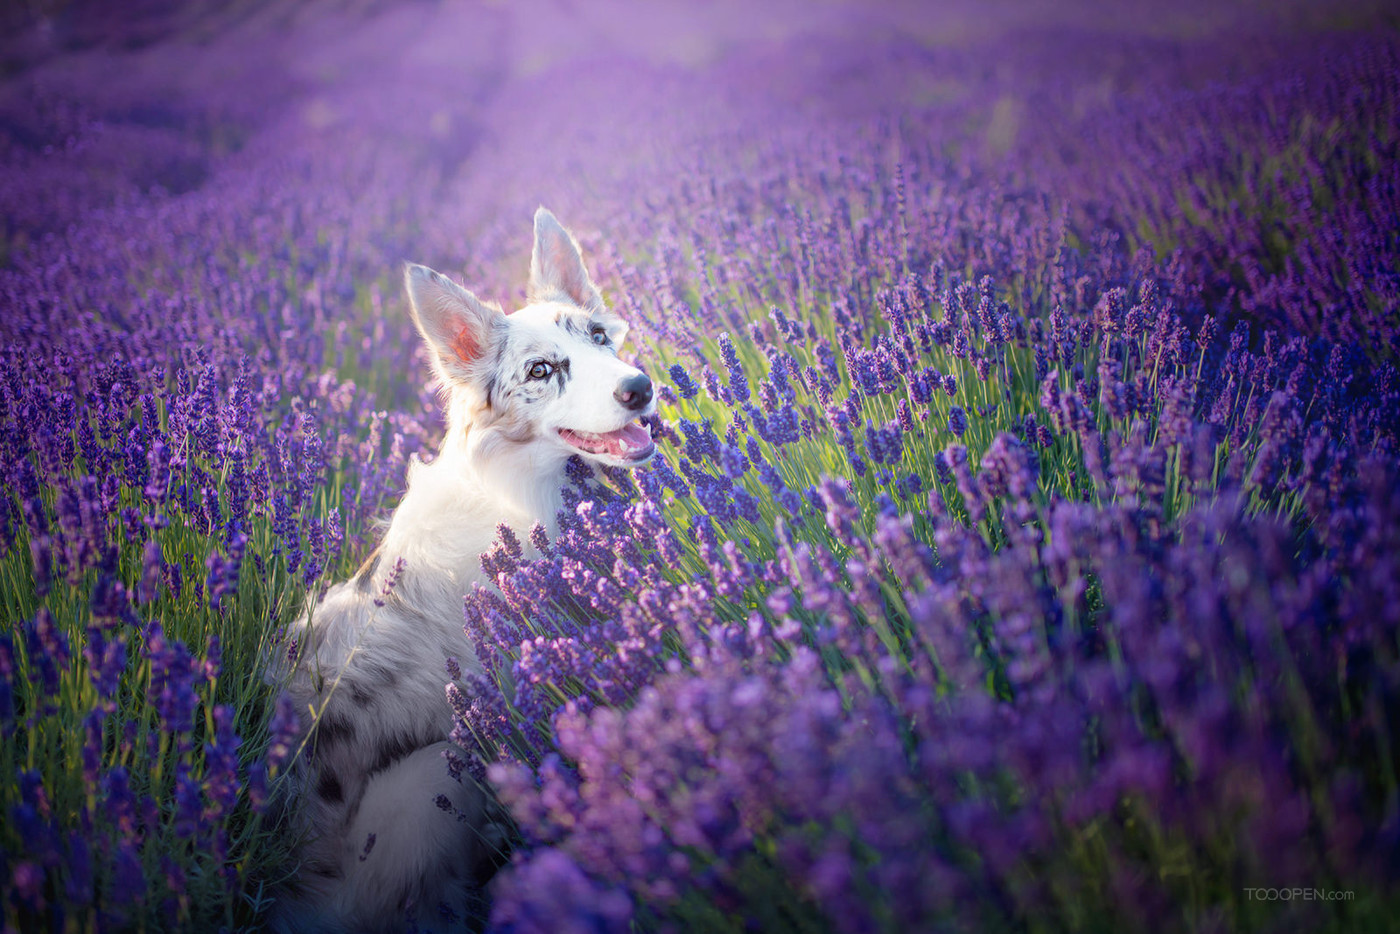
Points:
[(115, 98), (1133, 114)]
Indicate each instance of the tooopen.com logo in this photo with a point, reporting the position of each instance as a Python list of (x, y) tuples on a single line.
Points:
[(1298, 894)]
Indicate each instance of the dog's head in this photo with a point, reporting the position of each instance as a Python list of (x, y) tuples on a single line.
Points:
[(546, 375)]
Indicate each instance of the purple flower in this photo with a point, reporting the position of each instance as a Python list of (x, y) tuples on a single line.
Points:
[(48, 652), (128, 878), (732, 461), (284, 730), (683, 383), (189, 804), (221, 763), (152, 570), (550, 890), (885, 443), (957, 421), (41, 554), (224, 570), (391, 580), (738, 384)]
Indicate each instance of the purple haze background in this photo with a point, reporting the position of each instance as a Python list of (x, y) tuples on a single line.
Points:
[(1022, 554)]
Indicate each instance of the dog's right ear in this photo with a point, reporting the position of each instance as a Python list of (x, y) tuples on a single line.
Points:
[(457, 326)]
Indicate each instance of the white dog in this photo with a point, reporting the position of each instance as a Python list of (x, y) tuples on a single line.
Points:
[(524, 392)]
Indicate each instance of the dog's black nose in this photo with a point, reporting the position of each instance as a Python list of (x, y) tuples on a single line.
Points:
[(634, 392)]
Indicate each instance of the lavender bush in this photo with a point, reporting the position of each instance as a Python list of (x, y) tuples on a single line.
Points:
[(1022, 546)]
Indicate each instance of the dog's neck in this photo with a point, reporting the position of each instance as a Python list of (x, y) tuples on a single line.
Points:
[(453, 505), (523, 480)]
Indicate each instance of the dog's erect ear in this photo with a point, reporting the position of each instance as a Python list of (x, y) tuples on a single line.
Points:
[(556, 267), (458, 326)]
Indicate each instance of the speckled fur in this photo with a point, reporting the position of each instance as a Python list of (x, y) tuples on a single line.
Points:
[(370, 679)]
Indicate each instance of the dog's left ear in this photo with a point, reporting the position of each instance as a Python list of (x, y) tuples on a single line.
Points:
[(556, 267)]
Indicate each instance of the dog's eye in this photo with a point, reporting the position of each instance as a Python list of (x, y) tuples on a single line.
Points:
[(539, 370), (599, 336)]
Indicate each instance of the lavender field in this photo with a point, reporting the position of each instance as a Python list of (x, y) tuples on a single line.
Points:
[(1023, 548)]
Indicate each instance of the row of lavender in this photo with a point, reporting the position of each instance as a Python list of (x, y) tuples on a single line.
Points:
[(976, 552)]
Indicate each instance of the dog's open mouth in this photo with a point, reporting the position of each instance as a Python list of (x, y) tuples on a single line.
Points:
[(631, 442)]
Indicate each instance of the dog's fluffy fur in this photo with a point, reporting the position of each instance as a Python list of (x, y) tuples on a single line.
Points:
[(524, 392)]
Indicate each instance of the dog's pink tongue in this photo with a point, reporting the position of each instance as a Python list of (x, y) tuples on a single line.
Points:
[(634, 436), (624, 442)]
